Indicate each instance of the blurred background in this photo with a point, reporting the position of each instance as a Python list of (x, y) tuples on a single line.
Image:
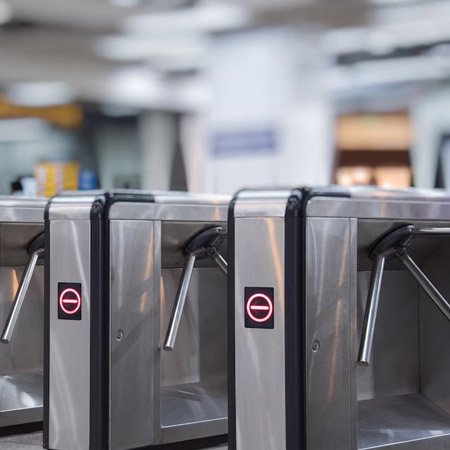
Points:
[(211, 95)]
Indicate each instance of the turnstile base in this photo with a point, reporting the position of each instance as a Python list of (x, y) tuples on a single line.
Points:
[(406, 421), (21, 398), (194, 410)]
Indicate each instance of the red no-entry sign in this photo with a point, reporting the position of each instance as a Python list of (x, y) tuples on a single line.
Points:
[(69, 301), (259, 307)]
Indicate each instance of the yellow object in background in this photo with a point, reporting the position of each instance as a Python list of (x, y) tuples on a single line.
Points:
[(54, 177)]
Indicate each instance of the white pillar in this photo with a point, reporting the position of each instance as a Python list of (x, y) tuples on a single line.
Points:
[(158, 139), (269, 82)]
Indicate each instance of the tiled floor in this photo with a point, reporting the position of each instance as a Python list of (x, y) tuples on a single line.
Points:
[(34, 442)]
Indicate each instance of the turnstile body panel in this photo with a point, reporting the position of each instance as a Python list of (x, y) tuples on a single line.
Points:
[(21, 359), (121, 388), (294, 378)]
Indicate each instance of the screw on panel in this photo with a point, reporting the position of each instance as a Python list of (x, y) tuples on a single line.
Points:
[(119, 335)]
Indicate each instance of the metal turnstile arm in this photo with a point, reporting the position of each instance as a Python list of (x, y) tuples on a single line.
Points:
[(180, 300), (220, 261), (19, 298), (427, 285), (370, 317), (395, 244), (203, 245)]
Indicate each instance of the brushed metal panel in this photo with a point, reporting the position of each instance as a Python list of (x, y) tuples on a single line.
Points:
[(22, 209), (178, 197), (378, 208), (260, 354), (261, 203), (73, 206), (133, 303), (69, 339), (354, 344), (14, 241), (214, 212), (328, 319)]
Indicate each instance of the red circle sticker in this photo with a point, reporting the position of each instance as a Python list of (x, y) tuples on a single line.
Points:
[(70, 301), (259, 307)]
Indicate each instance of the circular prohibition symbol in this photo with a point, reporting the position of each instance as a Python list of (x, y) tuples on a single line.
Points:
[(259, 308), (67, 303)]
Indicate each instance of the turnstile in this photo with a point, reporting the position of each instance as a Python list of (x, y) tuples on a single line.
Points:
[(339, 320), (21, 310), (136, 330)]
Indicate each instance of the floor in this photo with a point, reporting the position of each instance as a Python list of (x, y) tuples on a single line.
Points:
[(33, 441)]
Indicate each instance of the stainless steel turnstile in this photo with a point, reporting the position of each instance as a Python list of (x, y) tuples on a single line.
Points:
[(21, 310), (137, 331), (339, 320)]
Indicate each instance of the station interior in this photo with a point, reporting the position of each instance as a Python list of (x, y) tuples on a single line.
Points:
[(212, 97)]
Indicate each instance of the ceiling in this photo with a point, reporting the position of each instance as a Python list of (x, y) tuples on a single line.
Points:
[(129, 50)]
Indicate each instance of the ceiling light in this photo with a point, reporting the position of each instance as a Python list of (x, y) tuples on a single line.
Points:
[(125, 3), (45, 93), (208, 18), (129, 48), (391, 2)]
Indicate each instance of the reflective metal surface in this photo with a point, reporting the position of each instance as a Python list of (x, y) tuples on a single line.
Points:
[(402, 399), (261, 203), (75, 206), (21, 361), (157, 396), (70, 257), (260, 353), (21, 398), (198, 362), (378, 209), (14, 241), (329, 247), (22, 209), (426, 284), (215, 212), (134, 339), (395, 368), (404, 422), (434, 332)]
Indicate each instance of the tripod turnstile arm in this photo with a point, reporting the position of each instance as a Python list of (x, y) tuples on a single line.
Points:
[(395, 244), (427, 285), (202, 245), (220, 261), (180, 300), (20, 297), (370, 317)]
